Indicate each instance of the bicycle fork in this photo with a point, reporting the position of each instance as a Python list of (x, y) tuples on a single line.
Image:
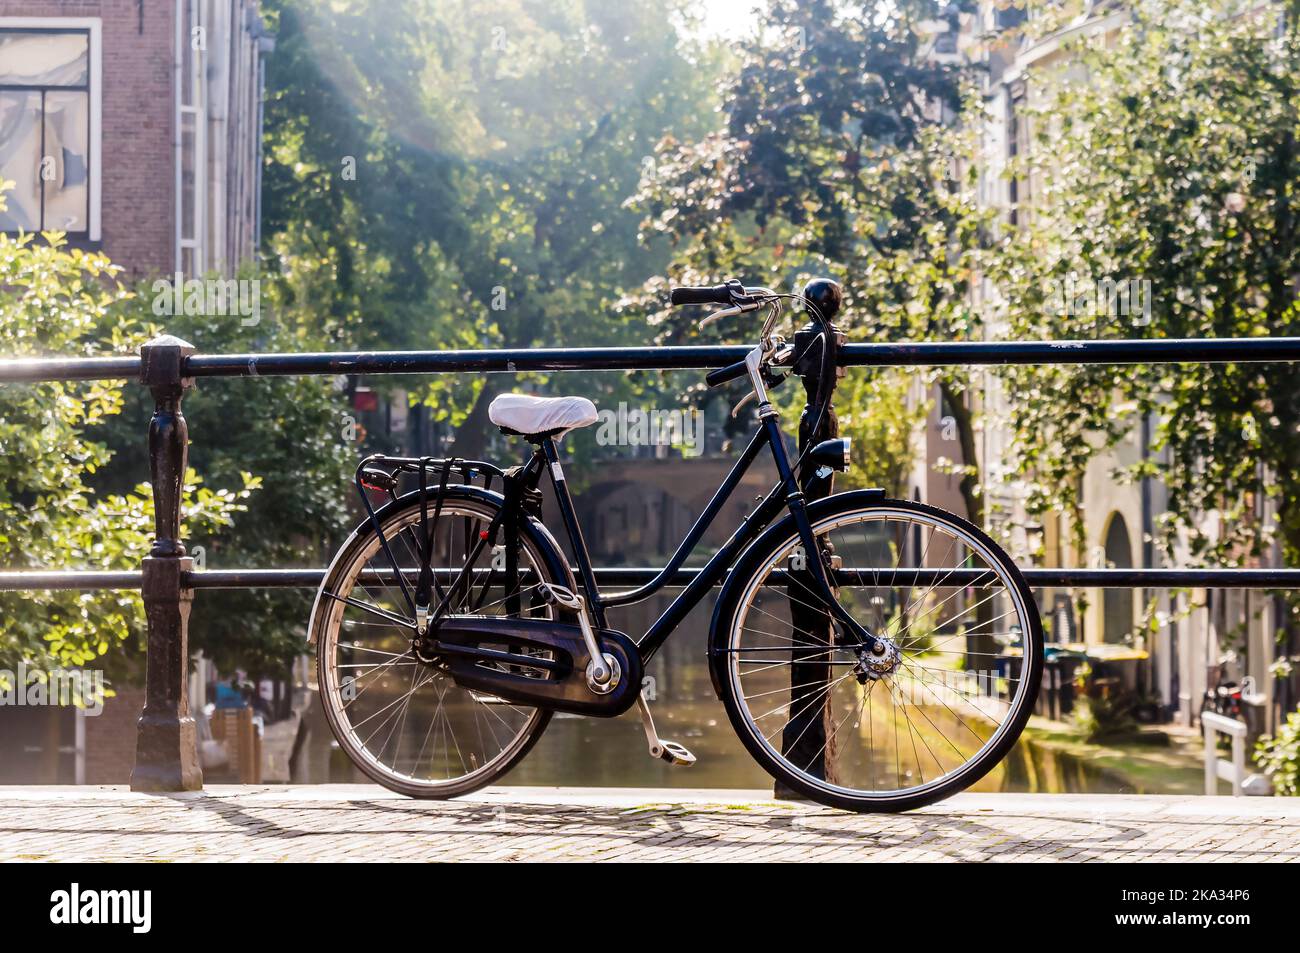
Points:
[(877, 656)]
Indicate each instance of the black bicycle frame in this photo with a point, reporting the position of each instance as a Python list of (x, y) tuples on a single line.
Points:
[(785, 493)]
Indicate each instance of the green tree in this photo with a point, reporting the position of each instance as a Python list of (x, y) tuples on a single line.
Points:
[(293, 432), (56, 301), (838, 153), (876, 414), (451, 174), (1168, 165)]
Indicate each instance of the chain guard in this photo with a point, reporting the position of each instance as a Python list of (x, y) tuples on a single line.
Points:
[(562, 689)]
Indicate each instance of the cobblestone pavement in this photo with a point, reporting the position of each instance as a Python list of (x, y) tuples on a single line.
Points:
[(361, 823)]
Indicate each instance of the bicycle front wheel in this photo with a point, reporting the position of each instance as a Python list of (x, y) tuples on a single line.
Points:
[(807, 700)]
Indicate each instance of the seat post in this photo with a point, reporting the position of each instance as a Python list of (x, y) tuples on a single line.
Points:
[(576, 541)]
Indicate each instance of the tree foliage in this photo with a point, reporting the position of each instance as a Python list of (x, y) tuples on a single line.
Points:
[(453, 174), (293, 432), (56, 301), (837, 154), (1167, 156)]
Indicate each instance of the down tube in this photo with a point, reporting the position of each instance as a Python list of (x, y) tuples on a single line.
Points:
[(713, 571), (697, 531)]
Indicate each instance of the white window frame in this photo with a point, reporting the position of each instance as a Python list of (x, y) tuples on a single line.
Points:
[(197, 111), (95, 26)]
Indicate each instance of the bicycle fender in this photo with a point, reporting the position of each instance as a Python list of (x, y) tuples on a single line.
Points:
[(546, 543)]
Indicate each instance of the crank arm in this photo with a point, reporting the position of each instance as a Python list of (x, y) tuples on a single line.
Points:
[(600, 671), (660, 748)]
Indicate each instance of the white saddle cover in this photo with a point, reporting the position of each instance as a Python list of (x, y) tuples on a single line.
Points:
[(524, 413)]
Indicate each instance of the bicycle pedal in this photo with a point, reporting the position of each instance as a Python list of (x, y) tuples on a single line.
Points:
[(674, 754)]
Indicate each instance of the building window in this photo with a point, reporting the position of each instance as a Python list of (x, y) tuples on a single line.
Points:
[(48, 128), (1017, 145), (191, 117), (1117, 604)]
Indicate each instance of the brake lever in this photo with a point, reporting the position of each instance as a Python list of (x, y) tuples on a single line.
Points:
[(773, 381), (782, 354), (727, 313), (743, 401)]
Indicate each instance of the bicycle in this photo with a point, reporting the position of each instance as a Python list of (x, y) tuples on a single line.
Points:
[(895, 666), (1222, 695)]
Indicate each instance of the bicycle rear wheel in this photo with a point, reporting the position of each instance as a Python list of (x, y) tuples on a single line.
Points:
[(817, 717), (399, 717)]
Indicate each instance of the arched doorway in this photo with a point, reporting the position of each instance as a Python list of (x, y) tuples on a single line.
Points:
[(1117, 604)]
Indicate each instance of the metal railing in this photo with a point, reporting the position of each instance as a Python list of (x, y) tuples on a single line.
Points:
[(508, 360), (640, 575), (166, 758)]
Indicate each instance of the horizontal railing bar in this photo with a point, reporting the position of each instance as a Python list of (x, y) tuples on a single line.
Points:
[(75, 579), (635, 576), (926, 353), (1156, 351), (1037, 578), (1188, 350), (453, 362), (36, 369)]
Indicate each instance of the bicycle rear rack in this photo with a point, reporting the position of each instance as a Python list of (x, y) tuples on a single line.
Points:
[(383, 473)]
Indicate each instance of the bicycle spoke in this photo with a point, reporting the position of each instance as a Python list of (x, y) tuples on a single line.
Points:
[(372, 609)]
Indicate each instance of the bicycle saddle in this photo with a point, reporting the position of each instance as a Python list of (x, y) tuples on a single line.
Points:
[(529, 416)]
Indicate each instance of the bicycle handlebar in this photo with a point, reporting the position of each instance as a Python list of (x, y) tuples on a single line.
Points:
[(715, 294), (723, 374), (740, 299)]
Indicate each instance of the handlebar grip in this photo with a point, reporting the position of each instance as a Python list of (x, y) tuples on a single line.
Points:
[(717, 294), (724, 374)]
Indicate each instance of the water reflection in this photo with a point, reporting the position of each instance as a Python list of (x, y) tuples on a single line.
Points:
[(612, 752)]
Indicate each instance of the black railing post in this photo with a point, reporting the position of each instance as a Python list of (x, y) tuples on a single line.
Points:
[(805, 740), (166, 752)]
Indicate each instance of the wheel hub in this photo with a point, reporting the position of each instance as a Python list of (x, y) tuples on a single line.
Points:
[(877, 661), (421, 649)]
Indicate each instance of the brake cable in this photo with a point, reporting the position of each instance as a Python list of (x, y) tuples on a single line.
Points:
[(826, 379)]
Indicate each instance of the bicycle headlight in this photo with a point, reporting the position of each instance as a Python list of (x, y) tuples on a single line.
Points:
[(833, 453)]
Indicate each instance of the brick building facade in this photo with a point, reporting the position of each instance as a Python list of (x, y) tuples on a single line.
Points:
[(107, 740), (135, 125)]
